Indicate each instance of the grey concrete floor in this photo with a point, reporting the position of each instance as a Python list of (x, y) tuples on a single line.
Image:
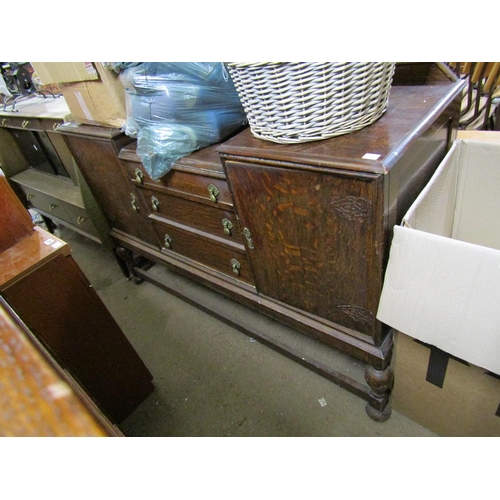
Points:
[(211, 379)]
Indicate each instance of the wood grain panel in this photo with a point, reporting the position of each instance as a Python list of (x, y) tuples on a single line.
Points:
[(64, 312), (316, 235), (15, 221)]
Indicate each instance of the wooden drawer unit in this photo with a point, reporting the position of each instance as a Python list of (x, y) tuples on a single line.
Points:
[(81, 219), (191, 211), (21, 122), (193, 184), (56, 198), (316, 222), (203, 217), (199, 188), (47, 204), (230, 259), (36, 160), (51, 125)]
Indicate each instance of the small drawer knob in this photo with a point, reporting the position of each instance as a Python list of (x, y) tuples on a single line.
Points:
[(133, 202), (248, 235), (138, 176), (227, 225), (168, 241), (155, 203), (236, 266), (213, 192)]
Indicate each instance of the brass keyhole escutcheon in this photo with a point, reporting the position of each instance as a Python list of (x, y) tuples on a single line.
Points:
[(227, 225), (236, 266), (155, 203), (213, 192), (168, 241), (138, 176), (135, 207), (248, 235)]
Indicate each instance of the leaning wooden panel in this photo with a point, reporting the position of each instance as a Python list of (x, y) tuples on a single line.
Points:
[(15, 221)]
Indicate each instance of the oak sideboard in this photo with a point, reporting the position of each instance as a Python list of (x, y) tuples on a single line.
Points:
[(300, 233)]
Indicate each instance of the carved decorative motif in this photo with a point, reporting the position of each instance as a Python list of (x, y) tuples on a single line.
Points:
[(352, 208), (357, 313)]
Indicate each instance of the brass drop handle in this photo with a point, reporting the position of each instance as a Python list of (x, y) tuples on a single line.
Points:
[(30, 196), (155, 203), (168, 241), (248, 235), (213, 192), (55, 126), (236, 266), (138, 176), (135, 207), (227, 225), (52, 207), (25, 123), (4, 122), (80, 220)]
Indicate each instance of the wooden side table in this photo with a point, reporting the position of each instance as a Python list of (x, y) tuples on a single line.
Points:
[(47, 290)]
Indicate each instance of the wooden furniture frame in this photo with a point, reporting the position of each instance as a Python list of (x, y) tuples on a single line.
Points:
[(49, 294), (42, 172), (300, 233)]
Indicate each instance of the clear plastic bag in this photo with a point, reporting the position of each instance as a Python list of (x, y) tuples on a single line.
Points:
[(176, 108)]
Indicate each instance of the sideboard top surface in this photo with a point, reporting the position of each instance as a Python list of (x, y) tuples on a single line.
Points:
[(411, 111)]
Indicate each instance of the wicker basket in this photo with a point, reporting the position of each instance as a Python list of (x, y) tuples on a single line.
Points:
[(289, 102)]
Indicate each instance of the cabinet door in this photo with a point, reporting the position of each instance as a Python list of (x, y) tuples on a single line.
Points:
[(115, 194), (315, 239)]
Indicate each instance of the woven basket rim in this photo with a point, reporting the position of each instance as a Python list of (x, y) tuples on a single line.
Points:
[(306, 101), (259, 63)]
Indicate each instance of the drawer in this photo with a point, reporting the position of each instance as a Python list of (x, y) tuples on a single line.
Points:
[(193, 186), (50, 124), (208, 218), (46, 203), (20, 122), (80, 219), (227, 258)]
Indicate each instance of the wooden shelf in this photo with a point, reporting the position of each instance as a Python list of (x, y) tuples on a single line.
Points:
[(51, 185)]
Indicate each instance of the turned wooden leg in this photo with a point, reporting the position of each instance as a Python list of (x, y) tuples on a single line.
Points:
[(127, 256), (122, 265), (380, 383)]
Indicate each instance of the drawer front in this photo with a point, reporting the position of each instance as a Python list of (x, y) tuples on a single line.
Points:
[(80, 219), (19, 122), (46, 203), (210, 219), (51, 124), (205, 189), (201, 248)]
